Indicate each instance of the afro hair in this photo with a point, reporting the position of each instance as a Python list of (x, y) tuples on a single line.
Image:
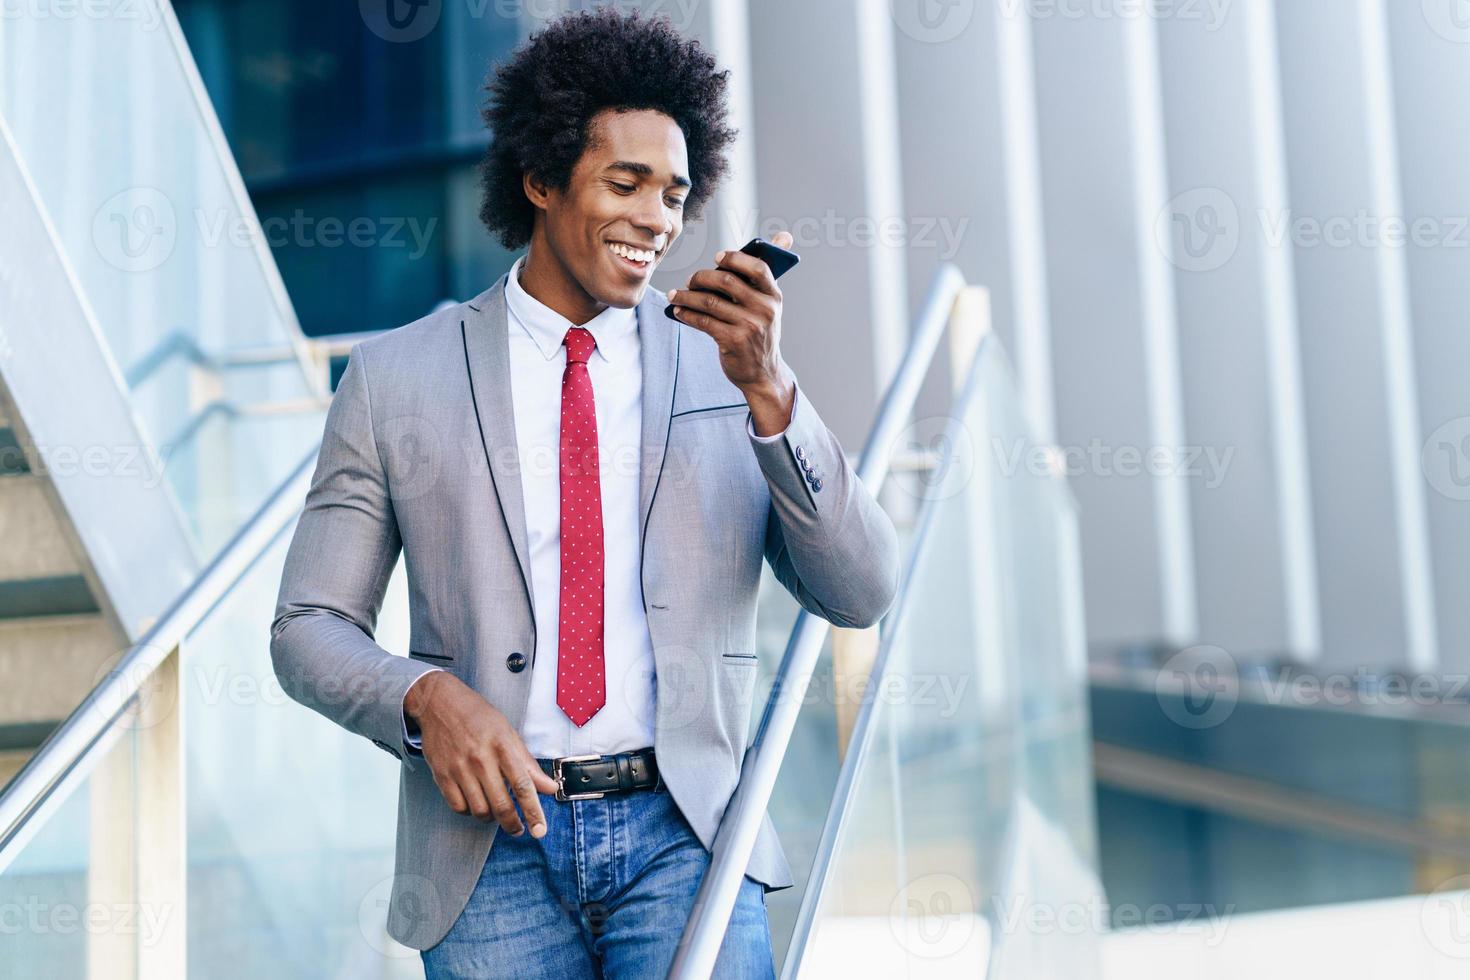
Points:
[(542, 101)]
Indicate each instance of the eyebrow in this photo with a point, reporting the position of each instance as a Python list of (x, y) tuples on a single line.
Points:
[(644, 170)]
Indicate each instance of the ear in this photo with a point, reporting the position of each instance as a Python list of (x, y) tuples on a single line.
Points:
[(537, 191)]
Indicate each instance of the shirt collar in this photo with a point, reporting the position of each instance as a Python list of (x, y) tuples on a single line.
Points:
[(615, 329)]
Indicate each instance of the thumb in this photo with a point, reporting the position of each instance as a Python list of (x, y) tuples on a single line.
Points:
[(782, 239), (544, 783)]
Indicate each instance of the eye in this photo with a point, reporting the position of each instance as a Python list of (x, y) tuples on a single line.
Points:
[(677, 203), (623, 188)]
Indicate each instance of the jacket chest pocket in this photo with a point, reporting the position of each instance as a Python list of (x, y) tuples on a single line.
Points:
[(709, 412)]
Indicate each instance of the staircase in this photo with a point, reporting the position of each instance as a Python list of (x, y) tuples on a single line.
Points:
[(55, 639)]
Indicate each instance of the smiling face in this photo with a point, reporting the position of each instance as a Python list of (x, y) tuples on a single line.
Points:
[(597, 243)]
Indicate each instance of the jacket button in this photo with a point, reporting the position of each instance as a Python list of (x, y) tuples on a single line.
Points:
[(816, 486), (516, 662), (801, 454)]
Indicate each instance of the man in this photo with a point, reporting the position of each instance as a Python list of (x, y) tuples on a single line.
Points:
[(583, 491)]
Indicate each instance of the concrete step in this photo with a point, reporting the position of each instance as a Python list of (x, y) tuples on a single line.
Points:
[(60, 595), (35, 544), (10, 762), (48, 664), (12, 460)]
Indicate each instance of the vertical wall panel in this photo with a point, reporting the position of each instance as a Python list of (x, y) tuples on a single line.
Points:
[(1358, 385), (827, 169), (1431, 73), (972, 179), (1112, 318), (1239, 361)]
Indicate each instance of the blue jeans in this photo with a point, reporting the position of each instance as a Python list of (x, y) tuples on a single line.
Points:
[(605, 893)]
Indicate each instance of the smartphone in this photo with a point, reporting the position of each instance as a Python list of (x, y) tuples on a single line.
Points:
[(774, 256)]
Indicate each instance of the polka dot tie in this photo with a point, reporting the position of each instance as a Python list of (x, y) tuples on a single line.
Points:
[(580, 677)]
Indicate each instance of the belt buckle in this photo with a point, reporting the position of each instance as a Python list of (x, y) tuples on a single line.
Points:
[(561, 794)]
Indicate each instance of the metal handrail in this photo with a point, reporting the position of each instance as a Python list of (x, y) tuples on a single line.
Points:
[(735, 839), (320, 350), (76, 745), (863, 727), (174, 344)]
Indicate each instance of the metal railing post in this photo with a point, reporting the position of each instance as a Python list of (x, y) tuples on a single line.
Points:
[(699, 945)]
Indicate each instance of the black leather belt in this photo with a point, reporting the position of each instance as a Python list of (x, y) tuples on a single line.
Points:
[(589, 777)]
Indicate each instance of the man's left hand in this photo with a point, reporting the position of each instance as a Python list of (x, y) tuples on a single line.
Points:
[(747, 329)]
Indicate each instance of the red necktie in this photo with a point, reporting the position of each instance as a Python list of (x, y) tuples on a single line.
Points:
[(580, 682)]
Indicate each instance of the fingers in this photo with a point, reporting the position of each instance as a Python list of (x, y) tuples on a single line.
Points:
[(472, 795), (735, 288), (712, 314), (483, 789), (492, 783), (754, 270), (449, 789), (524, 788), (544, 783)]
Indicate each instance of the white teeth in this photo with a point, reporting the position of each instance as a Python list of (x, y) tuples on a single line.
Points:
[(637, 255)]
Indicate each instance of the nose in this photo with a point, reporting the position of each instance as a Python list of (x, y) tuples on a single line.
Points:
[(650, 215)]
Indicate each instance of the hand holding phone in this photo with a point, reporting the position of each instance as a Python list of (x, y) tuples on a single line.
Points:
[(777, 258)]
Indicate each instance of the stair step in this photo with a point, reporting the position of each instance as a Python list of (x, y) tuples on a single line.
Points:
[(49, 663), (12, 460), (18, 743), (10, 763), (58, 595), (24, 736), (35, 545)]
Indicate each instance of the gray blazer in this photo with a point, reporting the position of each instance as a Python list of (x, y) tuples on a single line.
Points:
[(419, 455)]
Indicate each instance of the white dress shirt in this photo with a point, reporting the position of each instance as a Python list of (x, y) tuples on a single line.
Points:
[(537, 361)]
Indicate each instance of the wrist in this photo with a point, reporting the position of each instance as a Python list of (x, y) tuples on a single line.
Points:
[(771, 403), (420, 694)]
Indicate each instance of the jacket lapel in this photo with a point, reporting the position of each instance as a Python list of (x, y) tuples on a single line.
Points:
[(658, 338), (487, 354)]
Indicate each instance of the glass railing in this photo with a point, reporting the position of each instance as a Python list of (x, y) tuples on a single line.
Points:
[(284, 824), (813, 760), (105, 108), (70, 895), (291, 818), (961, 836)]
